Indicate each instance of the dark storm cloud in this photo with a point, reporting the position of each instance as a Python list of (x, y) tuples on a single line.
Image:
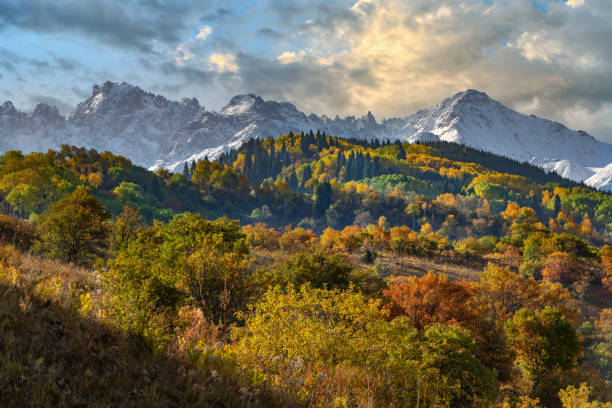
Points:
[(287, 10), (311, 86), (66, 64), (146, 64), (7, 66), (126, 24), (11, 61)]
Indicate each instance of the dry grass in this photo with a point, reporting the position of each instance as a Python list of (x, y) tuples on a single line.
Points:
[(393, 264), (415, 266), (53, 353)]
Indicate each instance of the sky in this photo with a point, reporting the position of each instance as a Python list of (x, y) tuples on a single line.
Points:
[(551, 58)]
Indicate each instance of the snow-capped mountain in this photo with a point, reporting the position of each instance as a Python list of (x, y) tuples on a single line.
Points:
[(156, 132), (249, 116), (117, 117), (474, 119)]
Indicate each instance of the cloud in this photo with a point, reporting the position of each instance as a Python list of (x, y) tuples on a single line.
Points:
[(269, 32), (223, 62), (394, 57), (289, 57), (182, 55), (204, 32), (11, 61), (135, 24), (218, 14)]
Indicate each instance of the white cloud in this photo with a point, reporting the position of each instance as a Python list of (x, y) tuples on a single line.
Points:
[(204, 32), (539, 46), (223, 62), (182, 54), (288, 57), (575, 3)]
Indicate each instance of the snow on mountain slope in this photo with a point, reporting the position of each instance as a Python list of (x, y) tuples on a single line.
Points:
[(474, 119), (246, 116), (569, 170), (602, 179), (156, 132)]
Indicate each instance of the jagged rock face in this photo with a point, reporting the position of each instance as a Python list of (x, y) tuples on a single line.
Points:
[(117, 117), (154, 131), (125, 119)]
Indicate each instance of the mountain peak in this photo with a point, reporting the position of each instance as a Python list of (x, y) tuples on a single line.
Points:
[(241, 104), (47, 112), (7, 108), (369, 118), (471, 96)]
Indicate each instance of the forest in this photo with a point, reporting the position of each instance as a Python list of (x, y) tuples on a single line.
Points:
[(303, 270)]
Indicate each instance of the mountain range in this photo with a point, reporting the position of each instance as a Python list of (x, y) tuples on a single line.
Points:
[(156, 132)]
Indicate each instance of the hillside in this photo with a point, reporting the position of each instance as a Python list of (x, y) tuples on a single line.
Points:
[(302, 270), (57, 351), (285, 178)]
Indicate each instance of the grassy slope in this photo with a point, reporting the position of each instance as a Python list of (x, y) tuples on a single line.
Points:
[(52, 354)]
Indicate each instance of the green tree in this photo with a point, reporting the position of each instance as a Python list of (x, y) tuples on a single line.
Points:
[(124, 229), (317, 268), (543, 341), (75, 228), (187, 260), (217, 282), (465, 381), (261, 214), (401, 153)]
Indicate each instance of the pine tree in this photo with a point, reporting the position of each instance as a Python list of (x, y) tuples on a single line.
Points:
[(323, 198), (557, 204), (293, 181), (186, 171), (401, 153), (340, 160), (307, 175)]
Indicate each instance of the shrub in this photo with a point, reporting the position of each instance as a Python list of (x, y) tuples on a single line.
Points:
[(319, 269), (16, 232), (74, 229)]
